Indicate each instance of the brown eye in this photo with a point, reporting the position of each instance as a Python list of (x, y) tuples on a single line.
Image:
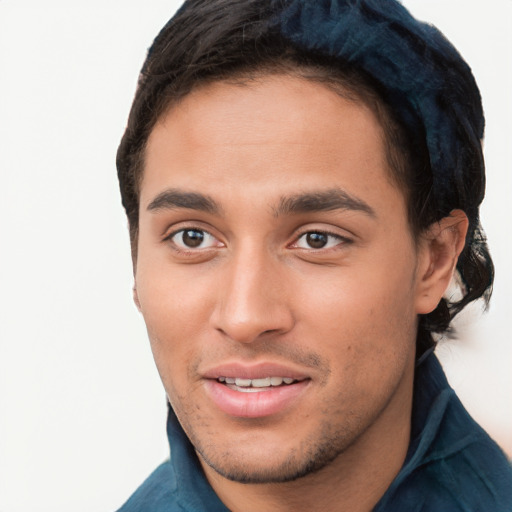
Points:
[(316, 240), (193, 239)]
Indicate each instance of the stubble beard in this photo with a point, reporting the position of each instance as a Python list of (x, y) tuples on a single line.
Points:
[(313, 454)]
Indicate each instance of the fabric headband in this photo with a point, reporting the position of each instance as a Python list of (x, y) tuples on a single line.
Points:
[(423, 77)]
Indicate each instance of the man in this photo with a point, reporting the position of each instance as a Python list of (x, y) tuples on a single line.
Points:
[(302, 180)]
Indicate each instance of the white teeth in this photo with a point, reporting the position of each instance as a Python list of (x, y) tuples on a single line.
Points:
[(261, 383), (248, 389), (243, 382), (256, 383)]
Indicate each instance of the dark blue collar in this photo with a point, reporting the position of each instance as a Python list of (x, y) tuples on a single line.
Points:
[(192, 490)]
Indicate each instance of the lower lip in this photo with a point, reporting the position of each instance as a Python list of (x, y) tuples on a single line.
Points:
[(254, 404)]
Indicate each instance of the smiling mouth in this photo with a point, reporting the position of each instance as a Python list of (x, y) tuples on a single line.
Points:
[(256, 385), (244, 397)]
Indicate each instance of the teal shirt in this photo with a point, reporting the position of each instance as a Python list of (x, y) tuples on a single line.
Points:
[(452, 465)]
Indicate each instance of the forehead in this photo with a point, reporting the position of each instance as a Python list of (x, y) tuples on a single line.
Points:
[(282, 130)]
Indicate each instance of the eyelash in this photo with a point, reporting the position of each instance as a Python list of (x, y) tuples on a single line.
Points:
[(186, 250), (341, 240)]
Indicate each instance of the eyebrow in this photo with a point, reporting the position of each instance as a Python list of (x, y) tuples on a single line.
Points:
[(317, 201), (171, 199), (322, 201)]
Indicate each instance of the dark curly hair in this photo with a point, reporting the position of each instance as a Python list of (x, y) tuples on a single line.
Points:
[(421, 90)]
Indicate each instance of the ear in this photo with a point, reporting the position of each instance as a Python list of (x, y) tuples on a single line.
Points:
[(440, 246), (136, 297)]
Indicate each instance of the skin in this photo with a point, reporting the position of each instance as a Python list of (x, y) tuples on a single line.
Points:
[(257, 290)]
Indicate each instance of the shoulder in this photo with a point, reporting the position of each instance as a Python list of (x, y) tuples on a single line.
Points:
[(452, 465), (477, 478), (466, 465)]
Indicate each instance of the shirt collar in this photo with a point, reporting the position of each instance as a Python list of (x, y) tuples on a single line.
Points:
[(190, 485)]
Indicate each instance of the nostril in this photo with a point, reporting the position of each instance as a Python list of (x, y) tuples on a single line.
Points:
[(249, 324)]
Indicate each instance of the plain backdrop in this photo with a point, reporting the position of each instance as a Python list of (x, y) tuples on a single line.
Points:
[(82, 410)]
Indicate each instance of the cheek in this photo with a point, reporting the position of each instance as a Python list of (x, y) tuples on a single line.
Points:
[(170, 296), (357, 299), (364, 320), (175, 317)]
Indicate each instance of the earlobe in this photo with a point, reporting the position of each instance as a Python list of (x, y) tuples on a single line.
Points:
[(441, 246)]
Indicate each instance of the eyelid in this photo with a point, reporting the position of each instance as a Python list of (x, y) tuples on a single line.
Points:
[(168, 238), (192, 224), (343, 240)]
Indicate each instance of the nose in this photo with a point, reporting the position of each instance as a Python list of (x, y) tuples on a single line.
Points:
[(253, 299)]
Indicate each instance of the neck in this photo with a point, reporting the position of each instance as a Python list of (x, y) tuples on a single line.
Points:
[(355, 480)]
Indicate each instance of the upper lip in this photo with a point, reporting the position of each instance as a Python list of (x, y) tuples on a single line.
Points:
[(253, 371)]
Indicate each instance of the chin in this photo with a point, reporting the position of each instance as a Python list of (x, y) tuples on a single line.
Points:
[(276, 465)]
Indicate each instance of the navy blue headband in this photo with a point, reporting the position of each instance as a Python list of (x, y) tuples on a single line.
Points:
[(424, 79)]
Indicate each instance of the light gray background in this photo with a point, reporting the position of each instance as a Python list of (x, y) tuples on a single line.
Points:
[(82, 410)]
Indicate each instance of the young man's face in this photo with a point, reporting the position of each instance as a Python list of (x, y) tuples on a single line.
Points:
[(274, 247)]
